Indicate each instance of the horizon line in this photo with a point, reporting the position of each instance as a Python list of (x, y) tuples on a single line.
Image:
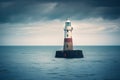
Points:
[(59, 45)]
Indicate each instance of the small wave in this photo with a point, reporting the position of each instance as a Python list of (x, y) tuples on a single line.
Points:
[(111, 79), (84, 75), (4, 71), (97, 61), (53, 73)]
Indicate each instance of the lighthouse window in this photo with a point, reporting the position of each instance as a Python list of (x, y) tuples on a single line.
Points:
[(68, 24), (67, 35), (67, 45)]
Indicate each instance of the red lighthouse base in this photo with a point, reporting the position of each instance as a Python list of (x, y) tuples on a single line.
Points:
[(69, 54)]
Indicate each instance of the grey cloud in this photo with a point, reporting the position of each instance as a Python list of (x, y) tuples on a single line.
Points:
[(12, 11)]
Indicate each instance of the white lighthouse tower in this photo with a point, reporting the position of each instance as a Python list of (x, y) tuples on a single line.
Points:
[(68, 51), (68, 43)]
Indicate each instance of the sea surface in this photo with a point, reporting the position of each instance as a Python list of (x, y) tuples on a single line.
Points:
[(39, 63)]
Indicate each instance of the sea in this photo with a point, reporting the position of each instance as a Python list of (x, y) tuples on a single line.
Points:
[(39, 63)]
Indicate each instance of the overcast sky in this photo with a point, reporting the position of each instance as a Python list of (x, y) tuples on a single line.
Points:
[(41, 22)]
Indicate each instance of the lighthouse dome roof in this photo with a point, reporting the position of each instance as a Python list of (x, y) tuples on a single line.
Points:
[(68, 20)]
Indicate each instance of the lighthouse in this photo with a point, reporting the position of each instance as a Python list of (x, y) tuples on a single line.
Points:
[(68, 43), (68, 51)]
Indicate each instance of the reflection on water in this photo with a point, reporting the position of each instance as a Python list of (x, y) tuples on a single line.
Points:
[(36, 63)]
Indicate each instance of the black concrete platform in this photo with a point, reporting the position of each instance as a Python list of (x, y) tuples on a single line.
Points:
[(69, 54)]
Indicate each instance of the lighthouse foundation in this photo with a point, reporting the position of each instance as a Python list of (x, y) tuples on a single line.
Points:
[(69, 54)]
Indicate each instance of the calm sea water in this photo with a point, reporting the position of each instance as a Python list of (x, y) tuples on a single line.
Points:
[(39, 63)]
